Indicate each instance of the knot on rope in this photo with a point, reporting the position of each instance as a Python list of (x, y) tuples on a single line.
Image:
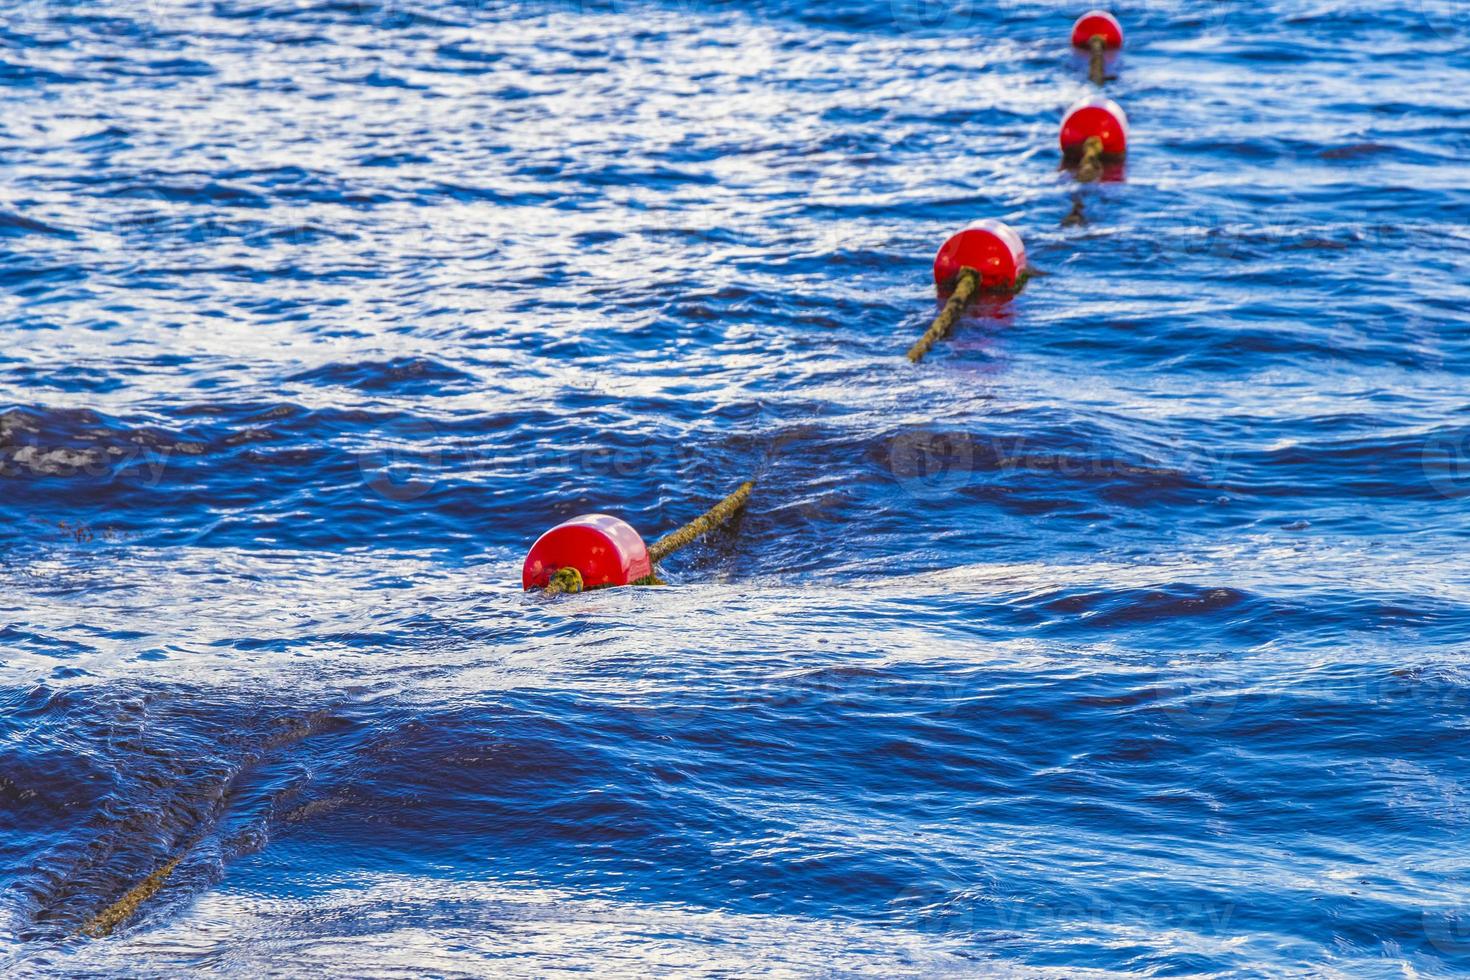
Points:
[(701, 525), (566, 580), (1090, 167)]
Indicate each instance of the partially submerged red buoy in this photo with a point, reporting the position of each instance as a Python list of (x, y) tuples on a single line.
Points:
[(992, 248), (603, 549), (1097, 23), (1095, 116)]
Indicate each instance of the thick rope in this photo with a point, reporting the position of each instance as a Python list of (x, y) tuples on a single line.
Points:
[(702, 525), (1090, 168), (121, 910), (965, 288), (1095, 70), (566, 580)]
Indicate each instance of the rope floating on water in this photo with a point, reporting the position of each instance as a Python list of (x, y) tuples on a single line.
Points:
[(1090, 167), (597, 551), (986, 256), (965, 288), (1096, 44), (717, 515)]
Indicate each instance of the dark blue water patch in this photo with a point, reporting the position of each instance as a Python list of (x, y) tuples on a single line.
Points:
[(14, 74), (462, 51), (158, 188), (16, 225), (50, 646), (77, 380), (31, 279), (399, 375), (394, 160), (167, 68), (324, 12), (380, 79)]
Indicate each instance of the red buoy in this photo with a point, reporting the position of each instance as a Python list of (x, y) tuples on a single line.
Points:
[(1100, 23), (1095, 116), (604, 549), (990, 247)]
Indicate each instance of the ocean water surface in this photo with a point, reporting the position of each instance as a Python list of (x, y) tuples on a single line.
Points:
[(1128, 634)]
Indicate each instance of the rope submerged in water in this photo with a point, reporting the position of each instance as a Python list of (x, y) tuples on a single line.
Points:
[(120, 911), (289, 731), (1076, 216), (965, 287)]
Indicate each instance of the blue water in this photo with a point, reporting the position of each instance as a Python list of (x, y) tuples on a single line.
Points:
[(1127, 634)]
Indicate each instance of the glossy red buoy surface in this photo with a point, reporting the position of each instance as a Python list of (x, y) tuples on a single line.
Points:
[(1098, 22), (990, 247), (1095, 116), (606, 550)]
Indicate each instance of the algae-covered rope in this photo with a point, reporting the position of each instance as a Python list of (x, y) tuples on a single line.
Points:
[(965, 287), (702, 525), (1096, 44), (121, 910), (1090, 167), (567, 580)]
